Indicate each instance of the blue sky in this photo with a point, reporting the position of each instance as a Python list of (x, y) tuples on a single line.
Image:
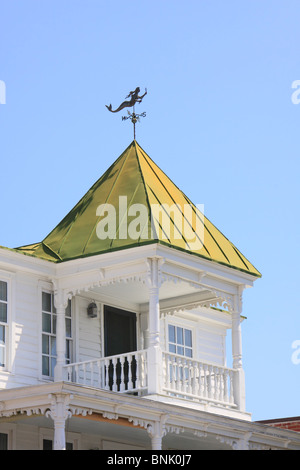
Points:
[(220, 122)]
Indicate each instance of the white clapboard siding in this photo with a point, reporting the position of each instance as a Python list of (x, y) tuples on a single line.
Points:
[(23, 333), (88, 332), (211, 343)]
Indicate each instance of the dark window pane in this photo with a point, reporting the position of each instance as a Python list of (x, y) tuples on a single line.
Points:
[(3, 441), (46, 302), (45, 365), (3, 312), (47, 444), (3, 291), (68, 349), (45, 344), (68, 328), (46, 322), (68, 309)]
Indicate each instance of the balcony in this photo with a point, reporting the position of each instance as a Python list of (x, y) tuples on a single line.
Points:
[(124, 373), (179, 377)]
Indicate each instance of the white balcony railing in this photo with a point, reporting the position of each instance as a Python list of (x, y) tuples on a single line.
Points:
[(122, 373), (182, 377), (194, 380)]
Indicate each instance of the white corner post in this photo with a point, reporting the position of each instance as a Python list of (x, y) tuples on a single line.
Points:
[(59, 412), (154, 348), (60, 303), (239, 375)]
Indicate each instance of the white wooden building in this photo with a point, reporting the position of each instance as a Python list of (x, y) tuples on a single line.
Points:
[(114, 334)]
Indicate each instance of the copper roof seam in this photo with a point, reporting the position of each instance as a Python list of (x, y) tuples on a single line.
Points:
[(143, 180), (52, 251), (135, 191), (170, 217)]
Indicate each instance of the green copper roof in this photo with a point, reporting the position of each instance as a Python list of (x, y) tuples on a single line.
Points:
[(142, 185)]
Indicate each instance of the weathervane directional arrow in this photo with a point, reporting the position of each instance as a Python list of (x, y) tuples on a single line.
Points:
[(134, 98)]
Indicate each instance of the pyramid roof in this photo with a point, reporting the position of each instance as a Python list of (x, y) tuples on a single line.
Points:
[(137, 193)]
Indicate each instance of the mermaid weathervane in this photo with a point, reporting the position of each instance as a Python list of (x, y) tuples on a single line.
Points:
[(134, 98)]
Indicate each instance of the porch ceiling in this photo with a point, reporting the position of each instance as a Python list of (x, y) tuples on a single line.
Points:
[(109, 434), (138, 293)]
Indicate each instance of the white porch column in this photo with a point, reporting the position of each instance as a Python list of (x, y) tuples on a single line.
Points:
[(239, 375), (243, 442), (157, 432), (60, 303), (154, 349), (59, 412), (156, 442)]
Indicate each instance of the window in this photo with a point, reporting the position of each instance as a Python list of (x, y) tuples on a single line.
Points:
[(49, 334), (180, 340), (3, 441), (46, 441), (3, 322), (48, 445)]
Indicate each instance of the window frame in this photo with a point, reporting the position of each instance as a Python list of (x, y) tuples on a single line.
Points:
[(10, 430), (7, 439), (4, 326), (52, 335), (9, 325), (182, 326)]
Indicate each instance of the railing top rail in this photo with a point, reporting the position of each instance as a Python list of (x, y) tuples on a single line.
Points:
[(89, 361), (213, 364)]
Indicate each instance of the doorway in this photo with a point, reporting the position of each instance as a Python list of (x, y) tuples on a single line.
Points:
[(120, 338)]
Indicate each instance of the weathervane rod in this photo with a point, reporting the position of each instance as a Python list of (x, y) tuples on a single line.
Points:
[(133, 120)]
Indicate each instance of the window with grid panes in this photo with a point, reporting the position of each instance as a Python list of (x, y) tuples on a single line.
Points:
[(49, 334), (3, 323), (180, 341)]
